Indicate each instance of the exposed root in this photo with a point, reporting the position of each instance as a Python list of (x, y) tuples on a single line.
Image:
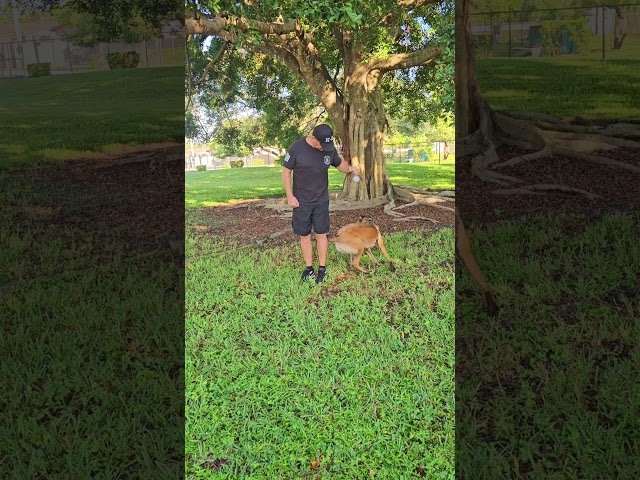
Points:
[(408, 219), (548, 136), (389, 209), (531, 189)]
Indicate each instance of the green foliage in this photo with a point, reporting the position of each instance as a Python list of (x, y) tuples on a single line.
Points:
[(283, 101), (236, 163), (301, 373), (39, 69), (280, 160), (575, 320), (201, 168), (126, 21), (556, 34), (118, 60), (482, 44), (317, 378)]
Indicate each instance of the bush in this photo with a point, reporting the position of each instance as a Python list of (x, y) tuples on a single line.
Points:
[(39, 69), (201, 168), (118, 60), (280, 160), (236, 163), (482, 44), (564, 36)]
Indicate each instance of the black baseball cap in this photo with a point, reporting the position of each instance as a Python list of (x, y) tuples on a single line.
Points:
[(324, 134)]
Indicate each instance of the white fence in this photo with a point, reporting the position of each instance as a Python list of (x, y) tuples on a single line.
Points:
[(65, 58)]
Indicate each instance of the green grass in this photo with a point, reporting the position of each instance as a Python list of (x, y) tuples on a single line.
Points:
[(563, 86), (62, 117), (549, 389), (89, 357), (356, 374), (216, 187)]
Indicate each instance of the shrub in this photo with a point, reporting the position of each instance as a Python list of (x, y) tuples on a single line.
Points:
[(39, 69), (118, 60), (280, 160), (482, 44), (201, 168), (236, 163), (564, 36)]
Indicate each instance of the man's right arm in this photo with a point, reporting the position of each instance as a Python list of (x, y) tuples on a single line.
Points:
[(286, 180)]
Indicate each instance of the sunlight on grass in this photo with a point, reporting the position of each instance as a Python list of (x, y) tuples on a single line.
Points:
[(299, 371), (102, 112), (553, 374), (217, 187), (563, 86)]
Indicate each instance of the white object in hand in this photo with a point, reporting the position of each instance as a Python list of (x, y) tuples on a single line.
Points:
[(356, 178)]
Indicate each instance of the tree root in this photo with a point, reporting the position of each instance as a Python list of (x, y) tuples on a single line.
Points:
[(530, 189), (547, 136)]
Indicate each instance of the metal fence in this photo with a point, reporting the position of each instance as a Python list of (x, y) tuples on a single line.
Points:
[(64, 58), (438, 151), (605, 32)]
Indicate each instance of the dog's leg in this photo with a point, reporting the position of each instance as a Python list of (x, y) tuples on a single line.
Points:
[(372, 257), (356, 262)]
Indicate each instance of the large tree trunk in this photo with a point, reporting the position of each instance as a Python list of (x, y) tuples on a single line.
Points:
[(366, 123)]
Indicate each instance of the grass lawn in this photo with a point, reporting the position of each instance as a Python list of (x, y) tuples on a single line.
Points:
[(216, 187), (90, 343), (550, 388), (64, 117), (563, 86), (352, 379)]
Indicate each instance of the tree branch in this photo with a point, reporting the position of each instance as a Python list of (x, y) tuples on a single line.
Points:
[(398, 61), (217, 24), (215, 60), (412, 4)]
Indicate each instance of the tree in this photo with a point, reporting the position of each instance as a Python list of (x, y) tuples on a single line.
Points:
[(133, 21), (349, 56), (479, 129)]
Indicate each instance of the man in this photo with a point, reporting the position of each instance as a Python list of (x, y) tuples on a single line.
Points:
[(311, 157)]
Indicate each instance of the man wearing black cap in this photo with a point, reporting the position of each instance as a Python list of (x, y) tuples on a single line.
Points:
[(311, 158)]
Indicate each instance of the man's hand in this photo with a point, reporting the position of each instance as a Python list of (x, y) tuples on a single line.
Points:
[(355, 170), (293, 202)]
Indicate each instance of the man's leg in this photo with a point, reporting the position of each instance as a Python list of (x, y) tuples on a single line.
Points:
[(321, 226), (323, 246), (307, 249), (301, 223)]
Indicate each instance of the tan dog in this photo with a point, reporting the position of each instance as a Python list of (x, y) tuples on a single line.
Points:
[(463, 249), (356, 238)]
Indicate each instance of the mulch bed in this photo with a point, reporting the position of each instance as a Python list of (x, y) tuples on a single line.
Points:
[(247, 224), (618, 188), (129, 205)]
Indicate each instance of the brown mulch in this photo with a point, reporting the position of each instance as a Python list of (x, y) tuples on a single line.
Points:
[(247, 224), (126, 205), (618, 188)]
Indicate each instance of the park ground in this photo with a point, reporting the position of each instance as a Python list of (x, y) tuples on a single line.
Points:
[(352, 378), (547, 389), (558, 394)]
